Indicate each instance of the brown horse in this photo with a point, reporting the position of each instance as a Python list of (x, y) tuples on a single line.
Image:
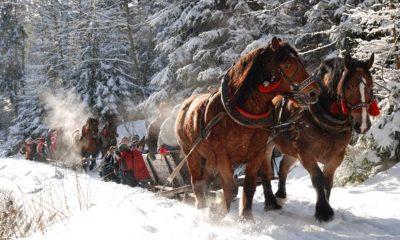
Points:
[(85, 142), (238, 116), (324, 131), (108, 137)]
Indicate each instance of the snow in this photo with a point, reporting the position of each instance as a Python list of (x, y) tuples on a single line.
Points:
[(92, 209)]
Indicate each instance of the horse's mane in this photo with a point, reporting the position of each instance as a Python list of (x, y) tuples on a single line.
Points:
[(92, 120), (253, 69), (334, 68)]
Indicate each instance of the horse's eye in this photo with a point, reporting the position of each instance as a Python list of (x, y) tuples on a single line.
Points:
[(287, 64)]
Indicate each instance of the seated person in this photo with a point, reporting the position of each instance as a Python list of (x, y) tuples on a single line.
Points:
[(125, 158), (109, 166), (141, 173)]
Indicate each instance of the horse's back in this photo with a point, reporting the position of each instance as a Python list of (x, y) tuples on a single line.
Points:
[(188, 119)]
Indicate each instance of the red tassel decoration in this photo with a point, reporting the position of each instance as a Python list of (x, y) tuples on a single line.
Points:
[(373, 109), (345, 110), (270, 88), (163, 151), (334, 109)]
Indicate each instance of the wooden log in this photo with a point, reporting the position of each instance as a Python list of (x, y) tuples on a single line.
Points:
[(171, 192)]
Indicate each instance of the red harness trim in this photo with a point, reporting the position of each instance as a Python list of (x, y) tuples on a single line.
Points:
[(269, 88), (250, 115), (373, 109), (334, 108)]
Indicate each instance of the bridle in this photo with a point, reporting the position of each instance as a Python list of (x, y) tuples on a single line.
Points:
[(296, 88), (371, 106)]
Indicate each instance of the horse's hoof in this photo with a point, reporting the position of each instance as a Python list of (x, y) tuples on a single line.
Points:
[(274, 206), (281, 201), (200, 204), (280, 194), (218, 211), (246, 215), (271, 203), (324, 214)]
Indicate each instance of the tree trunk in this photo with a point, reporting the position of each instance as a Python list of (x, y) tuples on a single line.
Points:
[(132, 48)]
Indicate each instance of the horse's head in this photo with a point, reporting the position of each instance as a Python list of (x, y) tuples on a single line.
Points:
[(355, 92), (91, 127), (290, 75), (276, 69)]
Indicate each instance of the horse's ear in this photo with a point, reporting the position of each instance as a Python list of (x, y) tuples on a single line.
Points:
[(347, 60), (275, 44), (370, 62)]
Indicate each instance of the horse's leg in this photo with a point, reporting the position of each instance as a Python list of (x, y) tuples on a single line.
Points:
[(323, 211), (249, 187), (329, 172), (286, 162), (84, 161), (199, 184), (228, 184), (92, 162), (93, 156), (270, 202)]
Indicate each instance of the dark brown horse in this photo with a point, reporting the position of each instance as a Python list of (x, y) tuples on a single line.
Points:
[(85, 143), (238, 116), (108, 137), (324, 131)]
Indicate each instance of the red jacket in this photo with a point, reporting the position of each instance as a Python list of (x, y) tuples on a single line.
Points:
[(125, 162), (140, 169), (133, 160)]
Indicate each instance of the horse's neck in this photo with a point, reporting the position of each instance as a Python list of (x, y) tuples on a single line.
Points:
[(258, 103), (321, 111)]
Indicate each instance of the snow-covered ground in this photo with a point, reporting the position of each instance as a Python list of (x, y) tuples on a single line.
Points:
[(83, 207)]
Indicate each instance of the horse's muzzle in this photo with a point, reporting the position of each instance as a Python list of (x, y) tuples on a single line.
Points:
[(360, 128)]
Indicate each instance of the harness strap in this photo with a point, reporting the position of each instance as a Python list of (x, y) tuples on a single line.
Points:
[(199, 139), (289, 124), (326, 121)]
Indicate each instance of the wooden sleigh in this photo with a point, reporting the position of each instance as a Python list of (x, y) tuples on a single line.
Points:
[(170, 183)]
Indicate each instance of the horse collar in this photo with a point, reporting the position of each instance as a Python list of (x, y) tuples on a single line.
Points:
[(241, 116), (326, 120)]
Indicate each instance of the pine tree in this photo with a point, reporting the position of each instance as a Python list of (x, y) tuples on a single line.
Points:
[(12, 52)]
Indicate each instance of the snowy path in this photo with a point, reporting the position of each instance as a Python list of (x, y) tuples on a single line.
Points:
[(368, 211)]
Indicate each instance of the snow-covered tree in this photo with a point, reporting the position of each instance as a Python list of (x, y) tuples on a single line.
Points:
[(12, 52)]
